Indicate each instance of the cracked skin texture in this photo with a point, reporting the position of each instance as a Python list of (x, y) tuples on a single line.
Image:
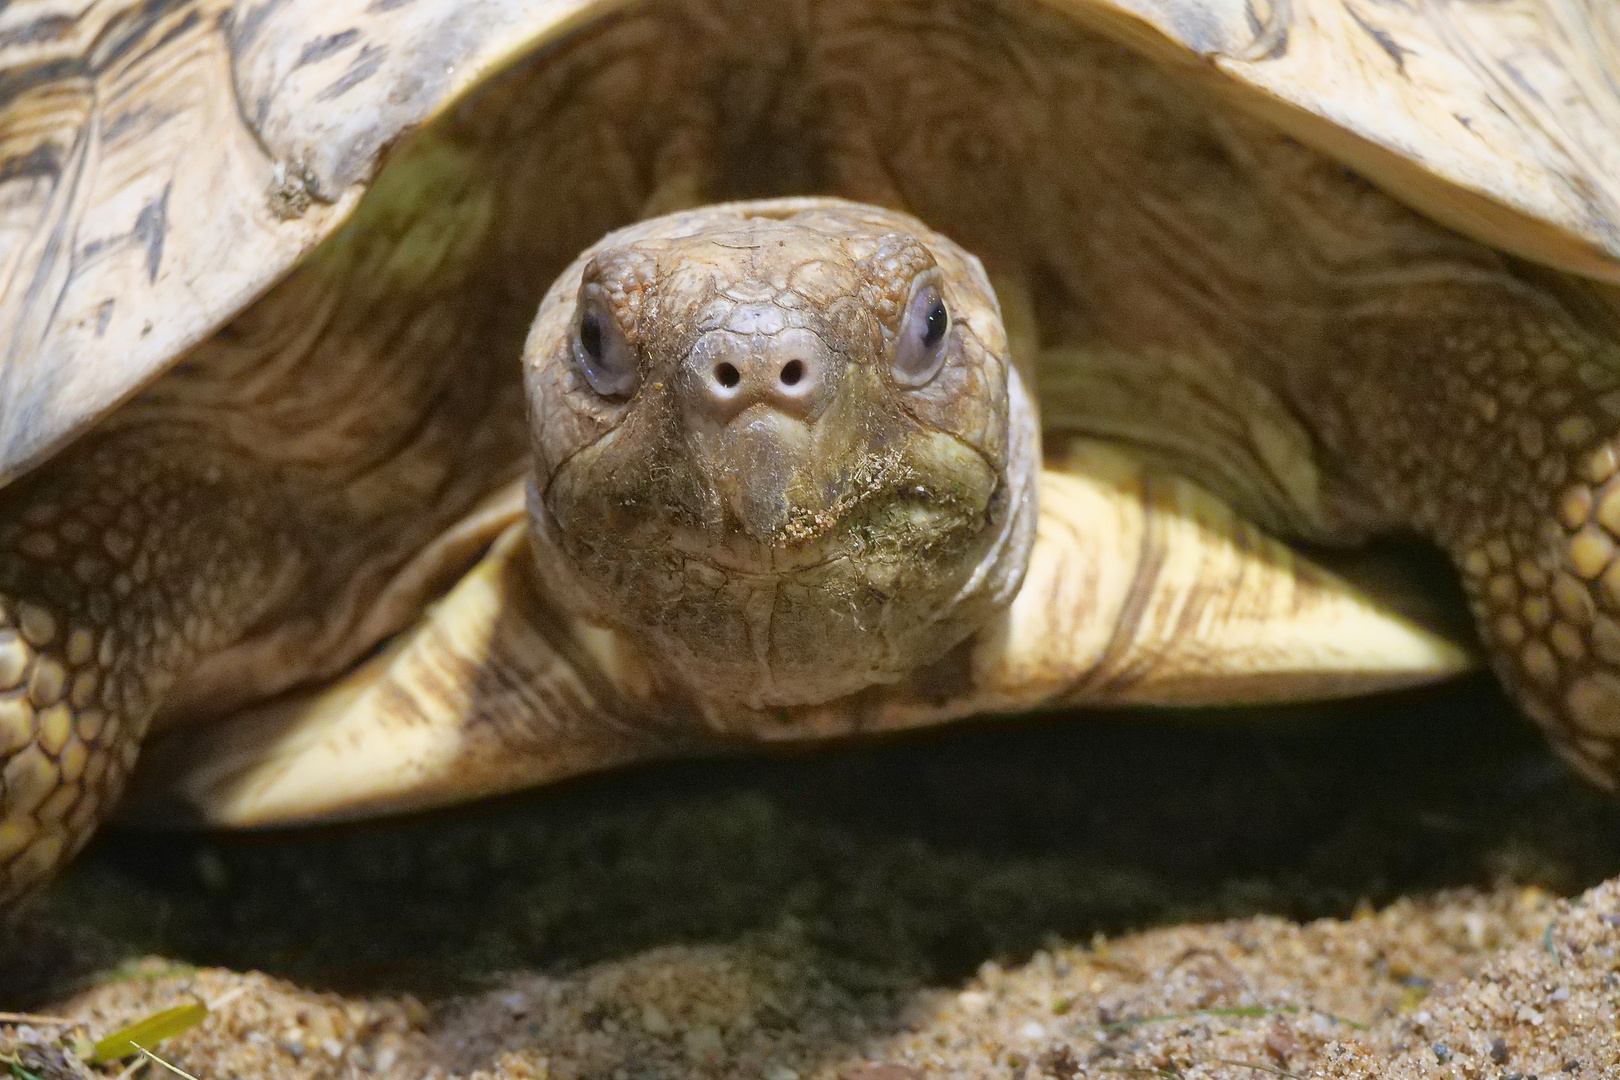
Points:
[(1441, 386)]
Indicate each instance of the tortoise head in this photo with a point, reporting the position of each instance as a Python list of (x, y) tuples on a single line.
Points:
[(781, 446)]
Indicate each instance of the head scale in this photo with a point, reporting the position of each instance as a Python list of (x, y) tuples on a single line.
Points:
[(781, 446)]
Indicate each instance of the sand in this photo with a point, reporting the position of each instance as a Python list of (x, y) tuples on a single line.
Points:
[(1406, 887)]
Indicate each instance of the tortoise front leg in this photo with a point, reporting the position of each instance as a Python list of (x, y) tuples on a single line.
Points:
[(1485, 411), (120, 564)]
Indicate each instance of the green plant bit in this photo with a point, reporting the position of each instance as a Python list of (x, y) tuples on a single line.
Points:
[(152, 1030)]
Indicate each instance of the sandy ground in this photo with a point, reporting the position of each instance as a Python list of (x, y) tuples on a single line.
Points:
[(1408, 887)]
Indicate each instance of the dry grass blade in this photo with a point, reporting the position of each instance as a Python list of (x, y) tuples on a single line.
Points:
[(31, 1018), (177, 1070), (1256, 1067), (1243, 1012)]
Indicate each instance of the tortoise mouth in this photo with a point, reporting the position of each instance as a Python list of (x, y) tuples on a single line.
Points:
[(654, 531), (905, 520), (767, 625)]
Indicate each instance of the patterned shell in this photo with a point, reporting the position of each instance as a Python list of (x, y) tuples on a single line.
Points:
[(164, 162)]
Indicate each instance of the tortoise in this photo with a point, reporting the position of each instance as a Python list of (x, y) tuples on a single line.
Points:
[(925, 359)]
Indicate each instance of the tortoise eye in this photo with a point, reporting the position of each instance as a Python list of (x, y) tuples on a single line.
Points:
[(603, 353), (590, 335), (919, 352)]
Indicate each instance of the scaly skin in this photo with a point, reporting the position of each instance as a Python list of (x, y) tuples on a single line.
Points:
[(1482, 412)]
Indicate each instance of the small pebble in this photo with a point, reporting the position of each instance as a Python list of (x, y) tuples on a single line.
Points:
[(972, 1001), (654, 1022), (1281, 1042)]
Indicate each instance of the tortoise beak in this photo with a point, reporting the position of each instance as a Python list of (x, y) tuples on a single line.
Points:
[(756, 465)]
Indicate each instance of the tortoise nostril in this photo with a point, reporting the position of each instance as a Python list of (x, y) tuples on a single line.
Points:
[(726, 374)]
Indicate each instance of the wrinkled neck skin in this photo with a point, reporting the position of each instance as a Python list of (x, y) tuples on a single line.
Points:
[(780, 454)]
